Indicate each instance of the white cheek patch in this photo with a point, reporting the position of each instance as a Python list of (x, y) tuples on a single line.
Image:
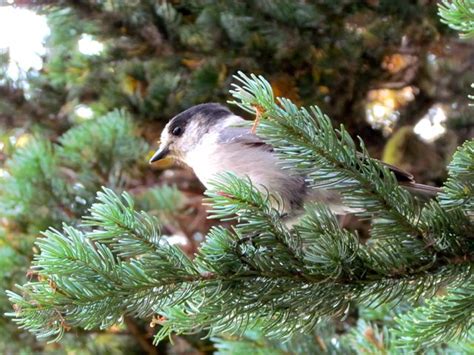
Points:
[(188, 141), (164, 138), (204, 158)]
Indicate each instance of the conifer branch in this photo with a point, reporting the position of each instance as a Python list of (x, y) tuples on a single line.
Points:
[(459, 189), (260, 272), (459, 15), (130, 233), (86, 285), (307, 143), (441, 320), (233, 198)]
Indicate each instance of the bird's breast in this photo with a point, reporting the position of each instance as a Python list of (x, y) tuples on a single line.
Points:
[(208, 161), (261, 166)]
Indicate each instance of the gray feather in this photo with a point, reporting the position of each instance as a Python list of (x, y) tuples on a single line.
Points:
[(242, 135)]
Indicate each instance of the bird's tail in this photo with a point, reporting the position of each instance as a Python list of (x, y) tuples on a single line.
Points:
[(425, 192)]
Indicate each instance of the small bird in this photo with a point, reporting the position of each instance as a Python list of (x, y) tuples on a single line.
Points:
[(210, 139)]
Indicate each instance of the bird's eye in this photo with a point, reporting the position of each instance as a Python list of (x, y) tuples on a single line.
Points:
[(177, 131)]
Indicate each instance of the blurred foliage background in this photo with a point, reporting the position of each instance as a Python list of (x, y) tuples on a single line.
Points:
[(114, 72)]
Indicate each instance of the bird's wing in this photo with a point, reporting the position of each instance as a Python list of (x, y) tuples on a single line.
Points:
[(243, 135)]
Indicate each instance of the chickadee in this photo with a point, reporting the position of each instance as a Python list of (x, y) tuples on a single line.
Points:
[(210, 139)]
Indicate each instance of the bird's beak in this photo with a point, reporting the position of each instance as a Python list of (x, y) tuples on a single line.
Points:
[(161, 153)]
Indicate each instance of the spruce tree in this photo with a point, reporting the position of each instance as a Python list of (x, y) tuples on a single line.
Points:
[(260, 273), (50, 184), (96, 282)]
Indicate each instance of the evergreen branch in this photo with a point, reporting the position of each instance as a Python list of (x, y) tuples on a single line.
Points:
[(443, 319), (35, 184), (329, 250), (88, 286), (285, 306), (370, 338), (115, 221), (459, 188), (449, 230), (307, 143), (301, 15), (102, 148), (320, 340), (219, 254), (261, 272), (459, 15), (165, 202), (165, 199), (115, 23), (234, 198), (48, 183), (285, 279), (446, 234), (80, 278), (41, 319)]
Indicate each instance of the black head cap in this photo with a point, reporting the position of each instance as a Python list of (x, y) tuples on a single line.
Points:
[(209, 113)]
